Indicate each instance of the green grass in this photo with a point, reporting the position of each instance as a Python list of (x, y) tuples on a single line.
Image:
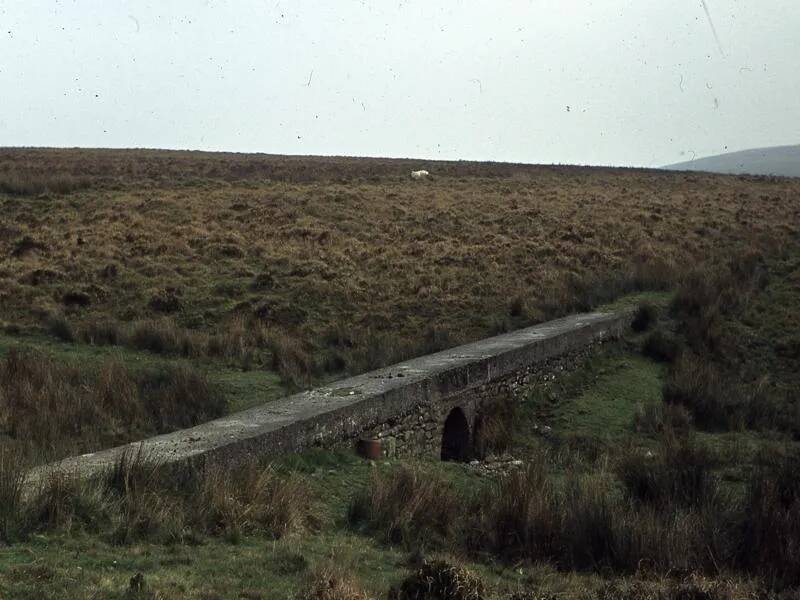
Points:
[(768, 331), (597, 401), (660, 300), (600, 399), (79, 567), (607, 408), (82, 567), (85, 566)]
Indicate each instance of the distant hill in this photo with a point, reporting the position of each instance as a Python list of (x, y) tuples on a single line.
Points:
[(778, 160)]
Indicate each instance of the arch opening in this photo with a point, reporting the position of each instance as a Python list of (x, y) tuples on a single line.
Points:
[(455, 437)]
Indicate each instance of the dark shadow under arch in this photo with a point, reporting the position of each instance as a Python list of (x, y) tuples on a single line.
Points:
[(455, 437)]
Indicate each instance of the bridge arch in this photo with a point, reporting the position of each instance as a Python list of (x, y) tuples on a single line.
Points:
[(455, 436)]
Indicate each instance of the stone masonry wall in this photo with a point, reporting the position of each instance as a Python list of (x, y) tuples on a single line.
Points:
[(406, 404), (419, 432)]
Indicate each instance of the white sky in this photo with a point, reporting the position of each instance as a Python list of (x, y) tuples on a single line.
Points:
[(645, 81)]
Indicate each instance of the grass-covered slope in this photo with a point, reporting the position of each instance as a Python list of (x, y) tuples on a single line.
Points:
[(626, 488), (240, 267)]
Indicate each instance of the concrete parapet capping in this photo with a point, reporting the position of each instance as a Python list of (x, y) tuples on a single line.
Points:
[(425, 390)]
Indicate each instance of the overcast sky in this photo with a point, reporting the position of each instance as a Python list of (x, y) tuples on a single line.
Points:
[(622, 82)]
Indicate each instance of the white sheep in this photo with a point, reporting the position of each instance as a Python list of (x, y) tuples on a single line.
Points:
[(419, 174)]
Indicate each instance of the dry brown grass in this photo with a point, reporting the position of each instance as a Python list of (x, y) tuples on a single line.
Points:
[(673, 516), (442, 580), (330, 582), (57, 407), (143, 499), (407, 505), (310, 245), (30, 182)]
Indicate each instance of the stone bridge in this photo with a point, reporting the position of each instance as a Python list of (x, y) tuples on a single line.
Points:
[(429, 405)]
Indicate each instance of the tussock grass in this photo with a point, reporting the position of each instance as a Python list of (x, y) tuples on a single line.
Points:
[(407, 505), (662, 346), (673, 516), (680, 474), (495, 427), (330, 582), (768, 524), (143, 499), (680, 588), (62, 406), (12, 480), (522, 521), (710, 375), (239, 340), (646, 315), (316, 267), (579, 293), (443, 580), (654, 419), (715, 401)]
